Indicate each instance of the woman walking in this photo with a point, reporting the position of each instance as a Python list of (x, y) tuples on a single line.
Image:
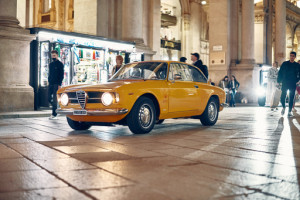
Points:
[(272, 81)]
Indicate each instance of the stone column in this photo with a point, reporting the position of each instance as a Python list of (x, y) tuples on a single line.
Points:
[(155, 25), (247, 32), (16, 94), (280, 33), (132, 20), (186, 47), (269, 32), (247, 72), (219, 38), (135, 24), (234, 30)]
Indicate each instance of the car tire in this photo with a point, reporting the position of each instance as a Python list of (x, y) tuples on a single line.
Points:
[(78, 125), (211, 113), (160, 121), (142, 116)]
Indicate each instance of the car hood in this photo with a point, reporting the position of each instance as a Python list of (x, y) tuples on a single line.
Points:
[(103, 86)]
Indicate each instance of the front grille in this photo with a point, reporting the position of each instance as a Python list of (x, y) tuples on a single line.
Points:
[(81, 97), (94, 97), (91, 97)]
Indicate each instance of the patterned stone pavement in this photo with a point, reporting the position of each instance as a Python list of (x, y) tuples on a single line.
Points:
[(251, 153)]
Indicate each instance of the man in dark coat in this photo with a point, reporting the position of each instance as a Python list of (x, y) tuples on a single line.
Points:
[(198, 63), (55, 78), (288, 75)]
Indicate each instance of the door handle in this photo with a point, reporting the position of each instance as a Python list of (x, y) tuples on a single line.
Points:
[(196, 86)]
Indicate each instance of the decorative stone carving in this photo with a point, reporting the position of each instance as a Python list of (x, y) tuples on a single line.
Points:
[(259, 18)]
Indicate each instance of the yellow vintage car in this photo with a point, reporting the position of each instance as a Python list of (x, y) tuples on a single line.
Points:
[(142, 94)]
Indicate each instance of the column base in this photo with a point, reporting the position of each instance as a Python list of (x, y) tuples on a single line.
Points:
[(142, 48), (248, 61), (16, 98), (248, 77), (16, 94)]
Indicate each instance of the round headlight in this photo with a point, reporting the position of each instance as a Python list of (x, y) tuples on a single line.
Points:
[(64, 99), (107, 99)]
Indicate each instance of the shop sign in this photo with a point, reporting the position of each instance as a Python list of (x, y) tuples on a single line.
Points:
[(218, 48)]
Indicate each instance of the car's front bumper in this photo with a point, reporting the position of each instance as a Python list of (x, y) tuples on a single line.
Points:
[(104, 112)]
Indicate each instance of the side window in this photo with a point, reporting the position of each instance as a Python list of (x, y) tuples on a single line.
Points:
[(197, 75), (161, 73), (179, 72)]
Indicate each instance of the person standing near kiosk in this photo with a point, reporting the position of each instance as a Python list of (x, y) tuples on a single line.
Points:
[(55, 78)]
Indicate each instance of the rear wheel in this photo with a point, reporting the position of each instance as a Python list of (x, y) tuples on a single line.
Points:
[(141, 118), (211, 113), (78, 125)]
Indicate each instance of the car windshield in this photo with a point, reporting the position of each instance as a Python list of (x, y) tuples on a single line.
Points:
[(143, 70)]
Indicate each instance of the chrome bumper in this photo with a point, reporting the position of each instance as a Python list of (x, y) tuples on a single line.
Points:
[(94, 112)]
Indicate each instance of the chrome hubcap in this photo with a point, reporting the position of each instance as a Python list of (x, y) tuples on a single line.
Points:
[(145, 116), (212, 111)]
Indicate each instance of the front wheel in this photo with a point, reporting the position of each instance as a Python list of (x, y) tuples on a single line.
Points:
[(78, 125), (142, 117), (211, 113)]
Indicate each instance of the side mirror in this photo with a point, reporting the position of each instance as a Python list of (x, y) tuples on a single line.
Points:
[(177, 77)]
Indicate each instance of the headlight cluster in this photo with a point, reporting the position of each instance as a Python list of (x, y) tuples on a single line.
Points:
[(108, 98), (64, 99)]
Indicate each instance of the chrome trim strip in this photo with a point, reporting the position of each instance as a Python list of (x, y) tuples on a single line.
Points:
[(95, 112)]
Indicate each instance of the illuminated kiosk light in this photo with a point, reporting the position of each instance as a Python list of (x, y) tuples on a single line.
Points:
[(77, 40)]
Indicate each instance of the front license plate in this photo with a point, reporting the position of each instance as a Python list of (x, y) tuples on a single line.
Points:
[(79, 112)]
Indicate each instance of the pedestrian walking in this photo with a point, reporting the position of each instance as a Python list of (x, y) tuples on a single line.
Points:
[(272, 81), (119, 61), (288, 76), (224, 83), (55, 78), (198, 63), (183, 59), (233, 86)]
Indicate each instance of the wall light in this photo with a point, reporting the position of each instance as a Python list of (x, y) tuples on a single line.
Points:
[(203, 2)]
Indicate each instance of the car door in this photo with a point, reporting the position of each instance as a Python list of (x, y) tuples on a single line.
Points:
[(203, 91), (182, 90)]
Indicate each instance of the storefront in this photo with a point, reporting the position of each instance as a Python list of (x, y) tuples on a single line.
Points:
[(87, 59)]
